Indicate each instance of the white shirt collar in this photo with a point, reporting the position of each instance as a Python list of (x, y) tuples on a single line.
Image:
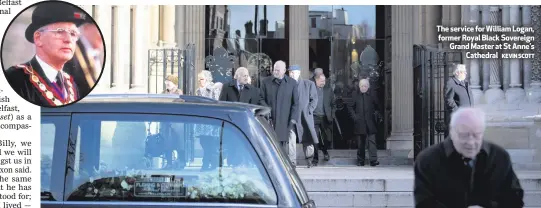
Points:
[(48, 70)]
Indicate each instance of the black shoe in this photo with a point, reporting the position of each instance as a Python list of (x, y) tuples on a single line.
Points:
[(314, 162), (327, 157), (360, 163), (308, 163), (374, 163)]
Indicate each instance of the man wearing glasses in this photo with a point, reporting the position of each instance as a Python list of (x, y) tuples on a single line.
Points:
[(43, 80), (465, 170)]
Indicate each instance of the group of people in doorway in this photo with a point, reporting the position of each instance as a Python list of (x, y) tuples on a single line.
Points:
[(301, 109)]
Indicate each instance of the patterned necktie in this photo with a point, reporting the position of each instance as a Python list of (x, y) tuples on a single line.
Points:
[(241, 87), (60, 84)]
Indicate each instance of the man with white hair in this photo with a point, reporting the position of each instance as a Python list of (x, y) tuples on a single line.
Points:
[(458, 92), (280, 93), (240, 90), (466, 171)]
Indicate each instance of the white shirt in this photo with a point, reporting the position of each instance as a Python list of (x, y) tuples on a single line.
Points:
[(49, 71)]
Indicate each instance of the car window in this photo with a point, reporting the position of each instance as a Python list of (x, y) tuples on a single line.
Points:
[(54, 131), (164, 158), (296, 182)]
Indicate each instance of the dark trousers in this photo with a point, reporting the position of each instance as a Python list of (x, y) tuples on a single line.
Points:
[(323, 131), (361, 146)]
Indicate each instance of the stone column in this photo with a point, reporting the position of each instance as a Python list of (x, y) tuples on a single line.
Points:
[(154, 23), (167, 25), (506, 70), (139, 48), (102, 16), (402, 78), (515, 94), (485, 73), (418, 24), (527, 63), (535, 88), (494, 94), (475, 79), (120, 46), (195, 33), (180, 17), (298, 38), (432, 14)]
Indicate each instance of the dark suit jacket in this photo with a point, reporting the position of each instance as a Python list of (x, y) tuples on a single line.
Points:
[(457, 94), (442, 180), (250, 94), (21, 81)]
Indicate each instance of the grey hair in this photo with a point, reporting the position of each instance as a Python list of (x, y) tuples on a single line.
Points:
[(365, 81), (280, 64), (206, 74), (318, 70), (240, 70), (458, 67), (469, 113)]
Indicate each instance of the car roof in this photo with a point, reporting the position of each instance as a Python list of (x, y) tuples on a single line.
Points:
[(158, 104)]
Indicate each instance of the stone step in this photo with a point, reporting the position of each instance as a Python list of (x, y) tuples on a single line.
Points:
[(387, 199), (380, 179)]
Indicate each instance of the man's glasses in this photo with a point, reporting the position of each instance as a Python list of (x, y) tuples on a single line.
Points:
[(61, 32)]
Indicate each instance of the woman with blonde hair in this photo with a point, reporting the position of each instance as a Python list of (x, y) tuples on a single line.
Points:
[(171, 85)]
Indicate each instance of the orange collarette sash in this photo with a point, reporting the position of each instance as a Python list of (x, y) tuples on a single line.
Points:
[(50, 95)]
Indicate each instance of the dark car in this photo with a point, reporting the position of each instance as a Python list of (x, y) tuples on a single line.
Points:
[(149, 151)]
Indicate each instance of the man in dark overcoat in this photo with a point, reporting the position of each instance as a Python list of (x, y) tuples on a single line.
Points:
[(280, 93), (458, 92), (43, 80), (363, 110), (307, 104), (239, 89), (323, 117), (465, 171)]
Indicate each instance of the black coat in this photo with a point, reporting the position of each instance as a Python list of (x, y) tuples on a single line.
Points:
[(362, 109), (442, 180), (457, 94), (250, 94), (283, 100), (20, 79)]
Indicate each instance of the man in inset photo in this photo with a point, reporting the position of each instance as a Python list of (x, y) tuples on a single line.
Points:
[(43, 79)]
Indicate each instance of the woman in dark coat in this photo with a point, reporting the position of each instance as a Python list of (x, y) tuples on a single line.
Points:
[(362, 109)]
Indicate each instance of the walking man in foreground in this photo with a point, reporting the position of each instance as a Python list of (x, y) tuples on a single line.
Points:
[(466, 171), (280, 94)]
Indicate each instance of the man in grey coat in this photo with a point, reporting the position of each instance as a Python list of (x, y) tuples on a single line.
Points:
[(308, 100), (281, 95)]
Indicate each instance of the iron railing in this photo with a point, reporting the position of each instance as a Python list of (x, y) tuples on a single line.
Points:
[(165, 61), (431, 68)]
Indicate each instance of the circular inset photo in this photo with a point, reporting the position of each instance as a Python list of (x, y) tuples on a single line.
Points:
[(53, 53)]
